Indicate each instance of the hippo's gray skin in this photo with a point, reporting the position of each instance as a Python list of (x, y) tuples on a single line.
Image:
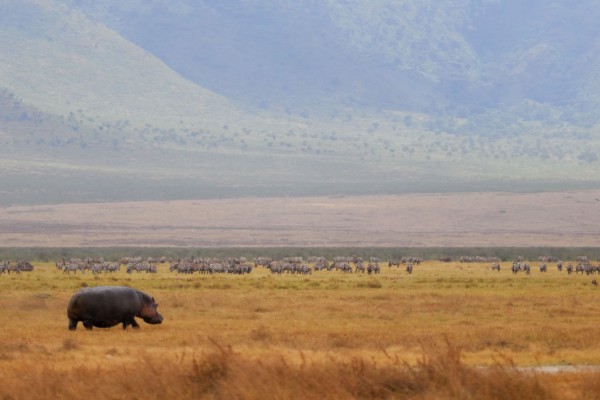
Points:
[(106, 306)]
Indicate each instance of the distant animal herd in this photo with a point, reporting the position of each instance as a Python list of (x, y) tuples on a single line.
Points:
[(288, 265)]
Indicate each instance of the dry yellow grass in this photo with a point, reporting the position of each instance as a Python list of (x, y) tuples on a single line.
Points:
[(446, 331)]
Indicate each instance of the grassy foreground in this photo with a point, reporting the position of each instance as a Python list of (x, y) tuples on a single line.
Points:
[(446, 331)]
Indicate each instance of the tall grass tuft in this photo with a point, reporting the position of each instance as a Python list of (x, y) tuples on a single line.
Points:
[(224, 374)]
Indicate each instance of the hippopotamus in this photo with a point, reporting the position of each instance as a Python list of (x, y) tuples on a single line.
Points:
[(106, 306)]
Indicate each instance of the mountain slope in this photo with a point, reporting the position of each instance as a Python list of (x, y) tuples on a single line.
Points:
[(60, 61), (429, 56), (539, 50), (287, 98), (266, 53)]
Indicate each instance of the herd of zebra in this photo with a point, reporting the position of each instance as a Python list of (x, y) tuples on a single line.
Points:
[(99, 265), (287, 265), (296, 265), (230, 265), (211, 265), (8, 267), (583, 266)]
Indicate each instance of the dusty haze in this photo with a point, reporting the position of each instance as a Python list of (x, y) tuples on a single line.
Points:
[(448, 220)]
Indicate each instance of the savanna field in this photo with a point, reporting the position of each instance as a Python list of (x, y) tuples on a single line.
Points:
[(446, 331)]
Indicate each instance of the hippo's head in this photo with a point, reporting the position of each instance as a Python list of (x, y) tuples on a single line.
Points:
[(149, 313)]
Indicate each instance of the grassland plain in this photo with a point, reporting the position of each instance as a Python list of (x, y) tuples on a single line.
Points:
[(445, 331)]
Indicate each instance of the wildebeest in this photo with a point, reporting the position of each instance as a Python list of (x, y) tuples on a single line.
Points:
[(106, 306)]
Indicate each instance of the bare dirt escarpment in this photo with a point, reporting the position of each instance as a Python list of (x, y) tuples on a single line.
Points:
[(446, 220)]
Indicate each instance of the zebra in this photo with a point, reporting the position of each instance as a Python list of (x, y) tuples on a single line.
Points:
[(412, 260), (6, 266), (85, 267), (215, 268), (373, 268), (303, 269), (543, 267), (356, 259), (293, 260), (515, 268), (409, 268), (360, 267), (262, 262), (344, 267), (316, 260), (321, 264), (496, 267), (96, 269), (141, 267), (589, 269), (246, 268), (21, 266), (339, 260), (520, 266), (569, 269), (113, 267), (71, 267), (275, 268)]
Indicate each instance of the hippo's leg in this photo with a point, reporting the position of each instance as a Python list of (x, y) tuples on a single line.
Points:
[(88, 325), (131, 321), (73, 324)]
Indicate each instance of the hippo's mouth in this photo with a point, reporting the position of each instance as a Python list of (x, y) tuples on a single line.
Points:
[(154, 320)]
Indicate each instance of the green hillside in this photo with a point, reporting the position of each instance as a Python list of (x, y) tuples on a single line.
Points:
[(59, 61)]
